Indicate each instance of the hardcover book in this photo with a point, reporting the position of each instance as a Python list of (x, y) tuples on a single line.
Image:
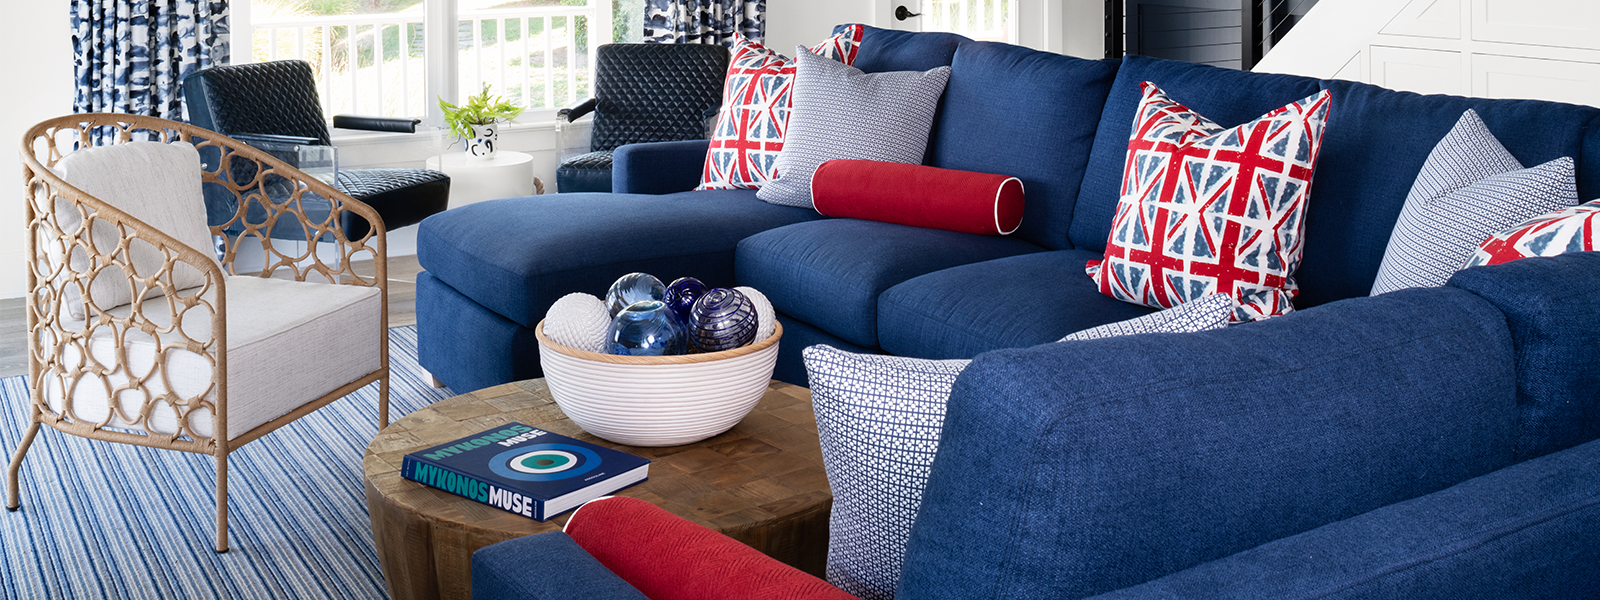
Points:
[(525, 470)]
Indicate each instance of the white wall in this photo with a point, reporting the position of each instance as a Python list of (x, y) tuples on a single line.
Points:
[(37, 44), (1539, 49), (793, 23)]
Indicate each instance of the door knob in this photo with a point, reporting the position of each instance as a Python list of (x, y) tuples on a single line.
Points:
[(902, 13)]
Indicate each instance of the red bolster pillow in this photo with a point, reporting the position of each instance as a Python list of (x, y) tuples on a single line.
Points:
[(919, 196), (667, 557)]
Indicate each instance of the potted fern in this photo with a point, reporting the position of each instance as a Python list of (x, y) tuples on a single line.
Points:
[(477, 121)]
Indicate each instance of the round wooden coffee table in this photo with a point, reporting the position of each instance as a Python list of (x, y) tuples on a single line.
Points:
[(761, 483)]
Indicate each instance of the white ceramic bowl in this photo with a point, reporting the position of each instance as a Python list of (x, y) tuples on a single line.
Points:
[(657, 400)]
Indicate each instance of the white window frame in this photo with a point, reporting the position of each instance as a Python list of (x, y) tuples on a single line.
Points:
[(441, 65)]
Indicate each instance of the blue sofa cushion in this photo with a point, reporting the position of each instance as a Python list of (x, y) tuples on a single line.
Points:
[(518, 255), (658, 167), (1011, 302), (1226, 96), (1376, 144), (548, 566), (1068, 470), (1530, 530), (829, 273), (884, 50), (1013, 111), (1552, 305)]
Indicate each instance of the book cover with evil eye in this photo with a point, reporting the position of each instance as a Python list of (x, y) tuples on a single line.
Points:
[(525, 470)]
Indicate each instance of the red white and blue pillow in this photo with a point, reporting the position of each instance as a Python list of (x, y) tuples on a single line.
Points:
[(756, 101), (880, 418), (1575, 229), (1207, 209)]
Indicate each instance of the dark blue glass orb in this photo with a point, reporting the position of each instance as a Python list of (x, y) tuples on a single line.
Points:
[(647, 328), (631, 288), (722, 319), (682, 293)]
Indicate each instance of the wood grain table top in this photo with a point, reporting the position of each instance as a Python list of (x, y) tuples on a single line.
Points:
[(765, 470)]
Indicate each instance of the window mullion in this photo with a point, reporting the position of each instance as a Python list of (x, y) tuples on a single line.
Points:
[(439, 51)]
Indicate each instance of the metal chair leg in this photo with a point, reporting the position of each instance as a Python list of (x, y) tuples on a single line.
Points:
[(222, 502), (13, 493), (383, 402)]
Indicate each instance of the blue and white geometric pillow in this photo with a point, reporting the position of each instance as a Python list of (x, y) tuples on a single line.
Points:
[(880, 418), (1469, 189)]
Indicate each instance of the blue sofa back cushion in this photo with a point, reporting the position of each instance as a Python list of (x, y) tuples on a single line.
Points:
[(1589, 163), (1226, 96), (890, 50), (1552, 305), (1014, 111), (1074, 469), (1530, 530), (1376, 142)]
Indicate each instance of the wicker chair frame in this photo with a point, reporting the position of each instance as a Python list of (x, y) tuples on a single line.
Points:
[(59, 353)]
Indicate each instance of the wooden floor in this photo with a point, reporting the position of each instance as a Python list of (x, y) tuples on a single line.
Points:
[(402, 311)]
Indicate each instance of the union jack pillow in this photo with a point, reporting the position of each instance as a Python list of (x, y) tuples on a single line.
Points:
[(755, 110), (1575, 229), (1208, 210)]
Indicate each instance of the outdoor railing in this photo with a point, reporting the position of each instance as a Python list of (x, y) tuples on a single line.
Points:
[(538, 57)]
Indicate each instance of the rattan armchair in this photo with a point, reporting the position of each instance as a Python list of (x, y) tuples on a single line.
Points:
[(157, 371)]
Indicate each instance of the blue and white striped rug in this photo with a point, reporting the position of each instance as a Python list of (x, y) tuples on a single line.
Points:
[(103, 520)]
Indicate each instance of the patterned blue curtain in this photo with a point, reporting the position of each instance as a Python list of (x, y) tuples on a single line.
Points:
[(130, 56), (704, 21)]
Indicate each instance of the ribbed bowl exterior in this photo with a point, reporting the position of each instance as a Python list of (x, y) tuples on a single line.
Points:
[(656, 401)]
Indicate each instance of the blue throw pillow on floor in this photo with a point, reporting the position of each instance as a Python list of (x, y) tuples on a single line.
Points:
[(880, 419), (1469, 189)]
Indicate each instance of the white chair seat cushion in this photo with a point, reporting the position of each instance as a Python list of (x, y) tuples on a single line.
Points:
[(289, 343)]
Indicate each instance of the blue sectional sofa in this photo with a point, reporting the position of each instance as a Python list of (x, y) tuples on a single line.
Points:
[(1060, 124), (1427, 443)]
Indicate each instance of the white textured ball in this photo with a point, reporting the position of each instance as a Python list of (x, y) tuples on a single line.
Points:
[(578, 321), (765, 317)]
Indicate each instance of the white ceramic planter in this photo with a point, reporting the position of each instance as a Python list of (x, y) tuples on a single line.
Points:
[(485, 141), (657, 400)]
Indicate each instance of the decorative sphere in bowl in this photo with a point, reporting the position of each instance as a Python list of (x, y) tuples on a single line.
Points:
[(648, 328), (682, 293), (632, 288), (722, 319)]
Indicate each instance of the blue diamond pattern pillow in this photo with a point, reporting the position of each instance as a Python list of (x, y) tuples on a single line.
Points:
[(1469, 189), (840, 112), (880, 418)]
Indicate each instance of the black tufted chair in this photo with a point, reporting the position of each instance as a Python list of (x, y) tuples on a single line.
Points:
[(273, 106), (643, 93)]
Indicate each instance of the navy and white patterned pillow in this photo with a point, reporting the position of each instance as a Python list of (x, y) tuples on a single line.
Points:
[(840, 112), (1469, 189), (880, 418)]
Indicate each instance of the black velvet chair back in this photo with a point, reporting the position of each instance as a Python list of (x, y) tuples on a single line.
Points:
[(273, 98), (655, 92)]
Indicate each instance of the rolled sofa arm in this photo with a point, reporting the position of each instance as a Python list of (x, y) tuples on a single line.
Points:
[(658, 168), (1531, 530), (668, 557), (545, 566)]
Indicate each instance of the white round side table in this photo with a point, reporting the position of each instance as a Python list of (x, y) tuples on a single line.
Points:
[(506, 175)]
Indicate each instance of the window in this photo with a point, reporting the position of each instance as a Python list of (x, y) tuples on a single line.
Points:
[(395, 57)]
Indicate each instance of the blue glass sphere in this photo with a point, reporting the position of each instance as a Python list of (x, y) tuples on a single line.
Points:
[(631, 288), (722, 319), (682, 293), (647, 328)]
